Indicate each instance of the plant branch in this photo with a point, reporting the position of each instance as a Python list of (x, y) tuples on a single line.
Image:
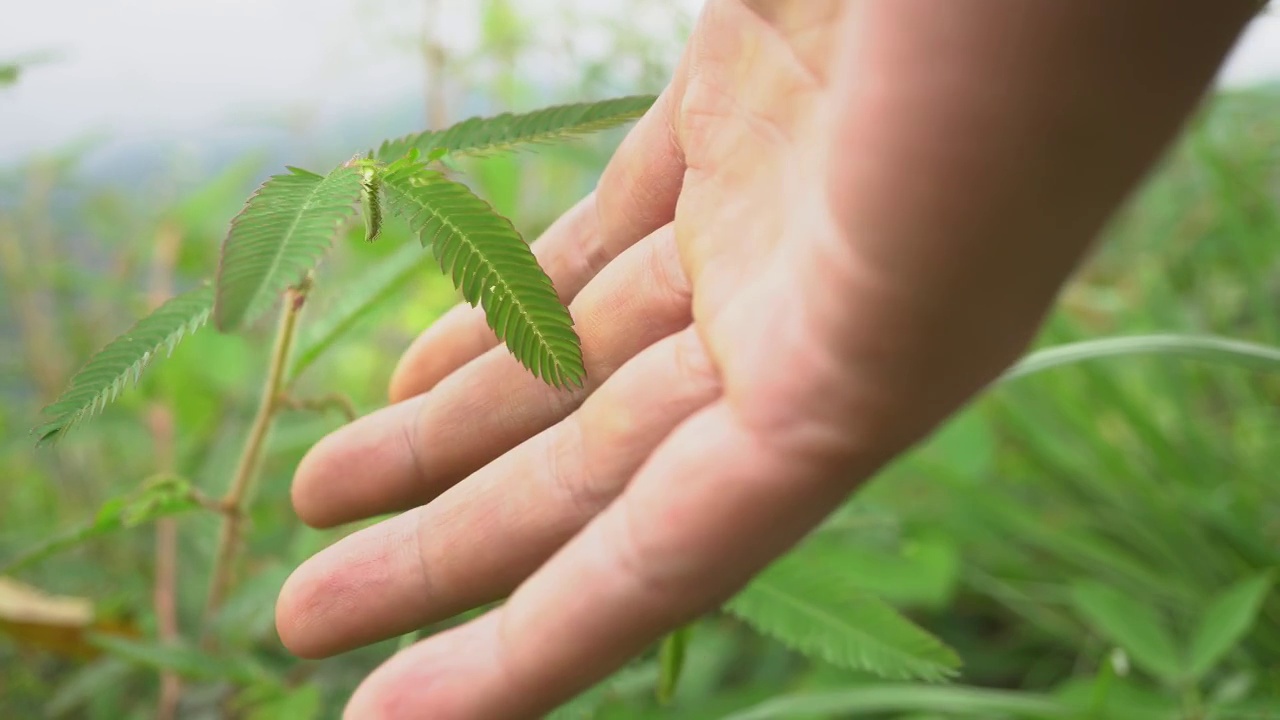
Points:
[(320, 404), (165, 589), (235, 503)]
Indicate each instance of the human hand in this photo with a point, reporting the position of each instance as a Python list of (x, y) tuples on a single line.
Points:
[(810, 251)]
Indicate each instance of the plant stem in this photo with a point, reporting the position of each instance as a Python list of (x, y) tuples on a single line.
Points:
[(165, 591), (324, 403), (160, 419), (236, 502)]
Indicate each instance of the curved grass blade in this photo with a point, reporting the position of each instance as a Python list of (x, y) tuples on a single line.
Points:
[(1198, 347), (671, 663), (358, 300), (492, 265), (477, 136), (877, 699), (122, 361), (807, 602), (281, 233)]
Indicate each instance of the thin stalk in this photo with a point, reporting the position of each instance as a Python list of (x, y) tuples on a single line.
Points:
[(235, 503), (165, 590)]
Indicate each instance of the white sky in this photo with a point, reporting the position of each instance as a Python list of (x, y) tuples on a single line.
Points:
[(132, 68)]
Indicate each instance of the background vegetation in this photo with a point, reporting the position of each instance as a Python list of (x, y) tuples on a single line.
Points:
[(1094, 541)]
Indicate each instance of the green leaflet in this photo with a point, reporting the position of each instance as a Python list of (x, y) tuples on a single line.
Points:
[(492, 265), (503, 132), (281, 233), (1225, 622), (122, 361), (808, 601), (671, 663), (1132, 625)]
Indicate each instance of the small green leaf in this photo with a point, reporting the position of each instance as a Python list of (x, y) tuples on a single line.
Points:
[(281, 233), (477, 135), (1225, 623), (808, 601), (1136, 628), (158, 498), (671, 663), (122, 361), (492, 266)]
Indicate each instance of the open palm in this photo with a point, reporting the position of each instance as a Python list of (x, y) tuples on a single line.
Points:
[(777, 288)]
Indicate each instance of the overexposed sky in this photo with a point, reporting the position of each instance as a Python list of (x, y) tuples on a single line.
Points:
[(134, 69)]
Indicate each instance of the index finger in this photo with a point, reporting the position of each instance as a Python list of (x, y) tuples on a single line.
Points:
[(654, 560), (636, 195)]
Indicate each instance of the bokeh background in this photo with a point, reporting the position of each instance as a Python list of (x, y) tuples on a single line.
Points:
[(132, 130)]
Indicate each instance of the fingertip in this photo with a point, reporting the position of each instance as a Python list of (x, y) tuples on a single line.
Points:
[(438, 678), (404, 378), (362, 469), (300, 495), (294, 606)]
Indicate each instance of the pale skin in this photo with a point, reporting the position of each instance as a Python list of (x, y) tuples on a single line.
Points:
[(840, 221)]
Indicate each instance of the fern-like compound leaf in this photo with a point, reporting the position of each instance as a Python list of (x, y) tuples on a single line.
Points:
[(808, 603), (281, 233), (122, 361), (492, 265), (478, 136)]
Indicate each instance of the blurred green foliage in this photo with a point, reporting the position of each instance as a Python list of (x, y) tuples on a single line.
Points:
[(1095, 541)]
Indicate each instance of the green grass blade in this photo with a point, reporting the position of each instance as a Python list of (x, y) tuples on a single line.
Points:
[(281, 233), (1207, 348), (808, 601), (123, 360), (477, 135), (876, 699), (492, 266), (671, 663)]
